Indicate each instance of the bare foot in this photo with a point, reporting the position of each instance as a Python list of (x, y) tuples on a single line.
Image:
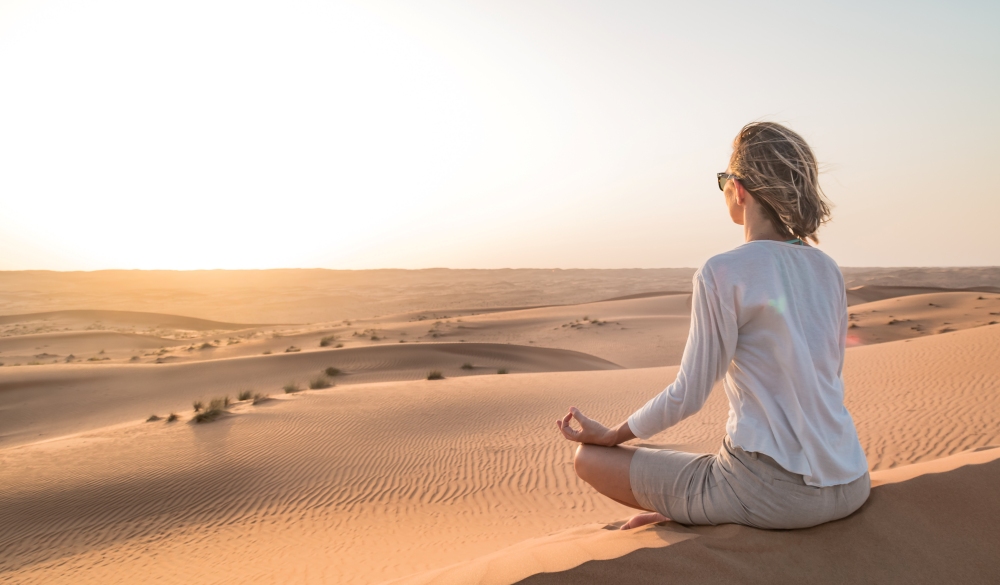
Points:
[(644, 519)]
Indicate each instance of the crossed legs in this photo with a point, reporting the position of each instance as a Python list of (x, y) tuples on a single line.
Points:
[(607, 470)]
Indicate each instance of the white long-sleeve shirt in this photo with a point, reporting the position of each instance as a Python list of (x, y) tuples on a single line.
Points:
[(772, 318)]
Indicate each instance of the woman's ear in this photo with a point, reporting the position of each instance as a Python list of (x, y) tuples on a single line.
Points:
[(741, 193)]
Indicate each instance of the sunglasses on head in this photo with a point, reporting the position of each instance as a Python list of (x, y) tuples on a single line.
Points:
[(723, 178)]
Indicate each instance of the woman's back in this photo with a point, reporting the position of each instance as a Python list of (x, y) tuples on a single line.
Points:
[(788, 307)]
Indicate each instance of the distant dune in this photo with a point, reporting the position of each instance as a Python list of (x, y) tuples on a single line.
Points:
[(313, 296), (871, 293), (120, 319)]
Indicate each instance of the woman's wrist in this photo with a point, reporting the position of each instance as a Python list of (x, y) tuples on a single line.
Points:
[(619, 435)]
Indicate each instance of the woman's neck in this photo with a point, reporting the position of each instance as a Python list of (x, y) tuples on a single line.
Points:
[(756, 226)]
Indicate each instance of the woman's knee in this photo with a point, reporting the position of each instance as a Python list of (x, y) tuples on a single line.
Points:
[(585, 461)]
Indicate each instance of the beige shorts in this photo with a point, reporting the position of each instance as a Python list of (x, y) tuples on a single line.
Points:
[(737, 487)]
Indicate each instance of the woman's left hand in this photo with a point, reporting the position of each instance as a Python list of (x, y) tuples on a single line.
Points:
[(591, 432)]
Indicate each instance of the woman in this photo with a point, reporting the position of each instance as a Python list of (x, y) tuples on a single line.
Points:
[(770, 316)]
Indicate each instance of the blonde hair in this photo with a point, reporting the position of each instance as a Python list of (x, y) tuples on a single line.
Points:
[(779, 170)]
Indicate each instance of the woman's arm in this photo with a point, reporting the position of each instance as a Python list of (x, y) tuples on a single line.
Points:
[(592, 432), (710, 347)]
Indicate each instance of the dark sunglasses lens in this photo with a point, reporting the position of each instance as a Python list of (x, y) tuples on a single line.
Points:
[(722, 181)]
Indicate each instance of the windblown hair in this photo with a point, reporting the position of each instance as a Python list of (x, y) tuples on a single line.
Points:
[(779, 170)]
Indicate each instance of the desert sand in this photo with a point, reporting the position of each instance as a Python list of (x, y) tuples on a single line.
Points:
[(390, 477)]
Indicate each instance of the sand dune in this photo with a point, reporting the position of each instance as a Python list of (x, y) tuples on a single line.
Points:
[(55, 400), (922, 530), (870, 293), (50, 346), (919, 315), (313, 296), (104, 319), (370, 482), (639, 332), (643, 330)]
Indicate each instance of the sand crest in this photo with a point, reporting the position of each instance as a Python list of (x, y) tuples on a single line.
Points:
[(931, 527)]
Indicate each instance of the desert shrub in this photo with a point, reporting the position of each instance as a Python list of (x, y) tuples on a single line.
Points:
[(206, 345), (197, 404), (502, 371), (268, 352), (152, 418), (134, 358), (375, 338), (244, 395), (327, 341), (258, 398), (332, 371), (319, 383), (339, 345), (292, 349), (173, 417), (435, 375), (467, 366), (291, 387), (214, 410)]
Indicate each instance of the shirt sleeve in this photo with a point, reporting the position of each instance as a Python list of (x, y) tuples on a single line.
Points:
[(710, 346)]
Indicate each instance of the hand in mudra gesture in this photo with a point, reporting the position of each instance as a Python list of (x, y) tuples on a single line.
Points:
[(590, 432)]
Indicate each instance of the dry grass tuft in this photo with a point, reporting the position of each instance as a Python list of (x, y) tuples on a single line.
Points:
[(258, 398), (291, 388), (435, 375), (197, 405), (173, 417), (327, 341), (244, 395), (152, 418), (332, 371), (320, 383), (216, 408), (467, 366), (502, 371)]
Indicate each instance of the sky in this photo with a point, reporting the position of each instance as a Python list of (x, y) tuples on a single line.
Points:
[(202, 134)]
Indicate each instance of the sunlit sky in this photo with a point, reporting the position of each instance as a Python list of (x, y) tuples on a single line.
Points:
[(191, 134)]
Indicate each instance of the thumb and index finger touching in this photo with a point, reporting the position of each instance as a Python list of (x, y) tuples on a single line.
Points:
[(564, 424)]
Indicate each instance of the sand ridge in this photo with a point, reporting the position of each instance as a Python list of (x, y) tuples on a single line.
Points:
[(43, 402)]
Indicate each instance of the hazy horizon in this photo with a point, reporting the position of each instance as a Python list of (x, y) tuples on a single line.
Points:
[(305, 134)]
